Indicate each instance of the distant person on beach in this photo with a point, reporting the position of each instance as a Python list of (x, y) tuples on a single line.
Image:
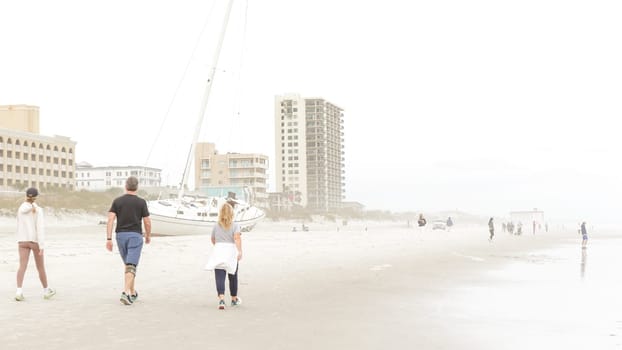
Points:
[(422, 221), (31, 238), (227, 252), (491, 228), (584, 235), (534, 227), (450, 223), (129, 210)]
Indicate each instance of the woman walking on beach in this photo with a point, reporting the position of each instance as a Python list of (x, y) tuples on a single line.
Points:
[(491, 228), (31, 237), (227, 252)]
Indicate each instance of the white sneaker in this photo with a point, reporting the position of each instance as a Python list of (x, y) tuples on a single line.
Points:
[(49, 294), (237, 302), (19, 297)]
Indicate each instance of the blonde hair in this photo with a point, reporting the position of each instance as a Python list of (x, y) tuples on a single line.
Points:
[(225, 217)]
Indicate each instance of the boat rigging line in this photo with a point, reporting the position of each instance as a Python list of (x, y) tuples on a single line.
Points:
[(181, 80)]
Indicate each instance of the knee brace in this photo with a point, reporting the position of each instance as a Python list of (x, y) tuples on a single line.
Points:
[(130, 268)]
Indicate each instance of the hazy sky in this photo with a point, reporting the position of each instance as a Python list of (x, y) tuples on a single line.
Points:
[(481, 106)]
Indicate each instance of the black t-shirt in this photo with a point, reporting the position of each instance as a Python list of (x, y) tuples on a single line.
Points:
[(130, 210)]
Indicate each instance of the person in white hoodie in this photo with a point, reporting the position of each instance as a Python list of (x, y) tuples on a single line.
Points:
[(31, 238)]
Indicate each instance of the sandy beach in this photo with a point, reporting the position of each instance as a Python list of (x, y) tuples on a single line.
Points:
[(368, 285)]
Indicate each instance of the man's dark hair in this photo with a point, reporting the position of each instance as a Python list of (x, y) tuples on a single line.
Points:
[(131, 184)]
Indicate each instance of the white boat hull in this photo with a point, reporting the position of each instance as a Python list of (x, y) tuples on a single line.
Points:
[(172, 219)]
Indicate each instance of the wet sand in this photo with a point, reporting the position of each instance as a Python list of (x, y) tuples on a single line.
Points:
[(389, 285)]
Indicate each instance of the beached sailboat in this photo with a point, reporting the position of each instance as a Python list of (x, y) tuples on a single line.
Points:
[(193, 214)]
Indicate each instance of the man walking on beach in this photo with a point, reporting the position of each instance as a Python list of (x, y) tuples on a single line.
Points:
[(31, 237), (491, 228), (129, 210)]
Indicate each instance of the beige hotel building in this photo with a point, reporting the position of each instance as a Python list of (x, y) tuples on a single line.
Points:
[(213, 170), (309, 158), (28, 159)]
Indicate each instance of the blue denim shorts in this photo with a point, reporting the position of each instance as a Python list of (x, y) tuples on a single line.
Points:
[(130, 246)]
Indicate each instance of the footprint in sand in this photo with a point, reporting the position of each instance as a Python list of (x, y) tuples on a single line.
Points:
[(474, 258), (380, 267)]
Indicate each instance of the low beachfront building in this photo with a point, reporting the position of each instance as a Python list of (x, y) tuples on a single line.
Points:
[(29, 159), (215, 171), (102, 178)]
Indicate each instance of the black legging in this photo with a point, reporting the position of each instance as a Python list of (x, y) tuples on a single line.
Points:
[(220, 281)]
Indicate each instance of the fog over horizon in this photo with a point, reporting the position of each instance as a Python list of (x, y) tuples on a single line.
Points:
[(482, 107)]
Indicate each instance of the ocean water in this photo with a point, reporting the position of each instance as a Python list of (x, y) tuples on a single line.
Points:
[(562, 298)]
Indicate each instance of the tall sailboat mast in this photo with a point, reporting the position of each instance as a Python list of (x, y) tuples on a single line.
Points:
[(208, 88)]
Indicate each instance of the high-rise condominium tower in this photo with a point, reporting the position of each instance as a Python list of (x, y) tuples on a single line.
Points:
[(309, 151)]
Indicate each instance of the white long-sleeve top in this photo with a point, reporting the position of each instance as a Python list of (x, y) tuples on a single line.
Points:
[(224, 256), (30, 226)]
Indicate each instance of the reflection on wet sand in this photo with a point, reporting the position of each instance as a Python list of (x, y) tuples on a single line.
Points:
[(583, 262)]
